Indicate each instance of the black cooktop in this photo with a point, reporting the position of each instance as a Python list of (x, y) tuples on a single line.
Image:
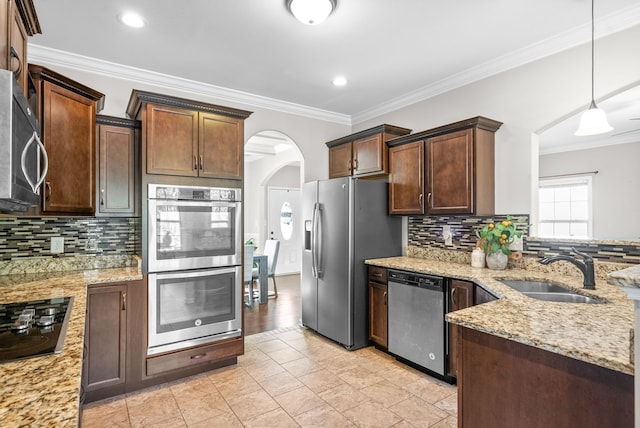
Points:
[(34, 328)]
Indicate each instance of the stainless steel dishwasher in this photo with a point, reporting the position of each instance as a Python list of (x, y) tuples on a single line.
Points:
[(416, 319)]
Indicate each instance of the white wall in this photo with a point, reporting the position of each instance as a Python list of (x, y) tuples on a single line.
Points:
[(616, 187), (528, 99)]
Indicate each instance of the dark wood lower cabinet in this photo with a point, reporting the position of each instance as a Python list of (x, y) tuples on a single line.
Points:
[(115, 348), (502, 383)]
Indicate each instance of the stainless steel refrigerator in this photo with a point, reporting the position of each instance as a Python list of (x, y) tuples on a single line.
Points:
[(345, 223)]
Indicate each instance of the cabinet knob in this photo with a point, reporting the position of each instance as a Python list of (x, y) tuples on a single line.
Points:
[(201, 163), (47, 194), (355, 164), (385, 298), (349, 165), (195, 162), (124, 301), (429, 199), (102, 197), (453, 300), (15, 55)]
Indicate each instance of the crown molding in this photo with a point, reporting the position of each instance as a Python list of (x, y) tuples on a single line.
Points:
[(610, 24), (54, 57)]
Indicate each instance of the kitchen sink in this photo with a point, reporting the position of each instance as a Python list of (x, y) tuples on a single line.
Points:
[(549, 292), (562, 297), (535, 286)]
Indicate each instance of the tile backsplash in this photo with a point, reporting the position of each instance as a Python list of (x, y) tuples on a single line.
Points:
[(28, 237), (427, 233)]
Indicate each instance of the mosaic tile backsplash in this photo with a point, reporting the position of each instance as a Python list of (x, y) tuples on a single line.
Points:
[(22, 237), (427, 232)]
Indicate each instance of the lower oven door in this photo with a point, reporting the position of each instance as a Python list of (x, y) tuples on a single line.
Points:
[(189, 308)]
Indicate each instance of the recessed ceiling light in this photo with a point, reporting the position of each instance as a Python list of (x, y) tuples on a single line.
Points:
[(340, 81), (132, 20)]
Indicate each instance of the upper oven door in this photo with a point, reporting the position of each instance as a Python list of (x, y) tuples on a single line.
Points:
[(193, 234)]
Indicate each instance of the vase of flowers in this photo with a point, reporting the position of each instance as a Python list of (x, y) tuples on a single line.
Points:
[(494, 239)]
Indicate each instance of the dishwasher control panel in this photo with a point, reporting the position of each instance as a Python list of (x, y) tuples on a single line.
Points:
[(417, 279)]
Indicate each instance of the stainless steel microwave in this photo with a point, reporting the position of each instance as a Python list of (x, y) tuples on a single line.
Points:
[(23, 158)]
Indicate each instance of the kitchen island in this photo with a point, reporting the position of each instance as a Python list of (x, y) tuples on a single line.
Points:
[(530, 359), (45, 391)]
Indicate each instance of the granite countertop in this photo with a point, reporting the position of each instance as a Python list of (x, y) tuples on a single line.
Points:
[(599, 334), (45, 391)]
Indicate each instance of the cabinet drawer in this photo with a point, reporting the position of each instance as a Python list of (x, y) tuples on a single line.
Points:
[(203, 354), (378, 274)]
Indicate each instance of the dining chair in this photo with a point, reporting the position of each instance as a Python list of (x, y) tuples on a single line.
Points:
[(271, 249), (248, 272)]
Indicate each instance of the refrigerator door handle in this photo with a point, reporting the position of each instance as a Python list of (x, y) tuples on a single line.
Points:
[(317, 232), (314, 270)]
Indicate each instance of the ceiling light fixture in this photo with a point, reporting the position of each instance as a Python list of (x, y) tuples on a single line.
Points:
[(132, 20), (594, 120), (339, 81), (311, 12)]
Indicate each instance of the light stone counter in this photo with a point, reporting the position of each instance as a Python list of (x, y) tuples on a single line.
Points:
[(45, 391), (595, 333)]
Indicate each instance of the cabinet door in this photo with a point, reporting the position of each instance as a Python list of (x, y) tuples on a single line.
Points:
[(340, 161), (116, 178), (171, 141), (221, 146), (105, 336), (369, 156), (450, 169), (378, 314), (406, 179), (69, 128), (460, 297), (18, 41)]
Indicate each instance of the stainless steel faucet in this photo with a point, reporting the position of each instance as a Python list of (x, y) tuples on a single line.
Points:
[(586, 267)]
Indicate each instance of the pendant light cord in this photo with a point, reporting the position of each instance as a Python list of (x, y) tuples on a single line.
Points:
[(593, 99)]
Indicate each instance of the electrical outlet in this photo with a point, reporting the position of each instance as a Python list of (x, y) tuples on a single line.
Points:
[(446, 234), (57, 244)]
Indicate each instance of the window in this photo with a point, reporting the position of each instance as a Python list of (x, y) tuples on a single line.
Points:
[(565, 208)]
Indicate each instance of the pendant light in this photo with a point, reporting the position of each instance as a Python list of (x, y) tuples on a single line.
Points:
[(594, 120), (311, 12)]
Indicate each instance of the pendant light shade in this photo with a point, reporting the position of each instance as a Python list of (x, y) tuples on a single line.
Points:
[(594, 120), (311, 12)]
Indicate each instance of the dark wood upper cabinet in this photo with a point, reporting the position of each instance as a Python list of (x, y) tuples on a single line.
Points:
[(189, 138), (118, 174), (406, 182), (363, 154), (67, 113), (18, 21), (458, 172)]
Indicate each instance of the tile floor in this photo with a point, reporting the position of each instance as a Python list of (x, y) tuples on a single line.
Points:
[(289, 377)]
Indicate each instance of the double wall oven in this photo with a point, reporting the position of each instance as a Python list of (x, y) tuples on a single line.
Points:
[(194, 259)]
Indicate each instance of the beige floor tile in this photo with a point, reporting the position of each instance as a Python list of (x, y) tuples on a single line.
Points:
[(430, 390), (303, 342), (360, 377), (343, 397), (372, 415), (288, 336), (196, 408), (299, 401), (302, 367), (401, 424), (226, 420), (249, 406), (194, 386), (285, 355), (280, 383), (341, 363), (321, 380), (251, 357), (323, 416), (449, 404), (114, 411), (277, 418), (418, 412), (272, 345), (239, 385), (450, 422), (385, 393), (321, 351), (264, 369), (156, 407), (399, 375)]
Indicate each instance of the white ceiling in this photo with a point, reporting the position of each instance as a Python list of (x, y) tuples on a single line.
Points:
[(392, 52)]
